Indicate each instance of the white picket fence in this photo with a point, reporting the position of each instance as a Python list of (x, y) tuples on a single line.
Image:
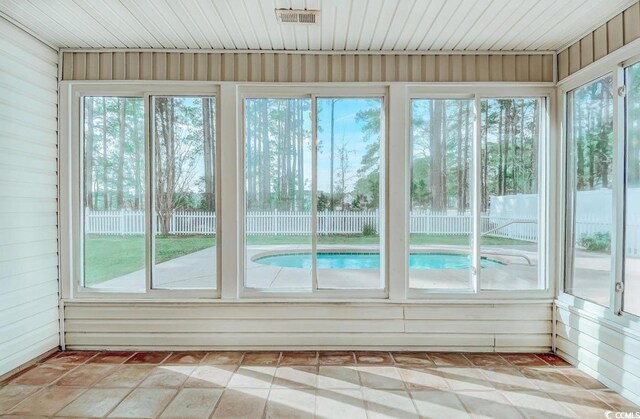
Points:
[(289, 223)]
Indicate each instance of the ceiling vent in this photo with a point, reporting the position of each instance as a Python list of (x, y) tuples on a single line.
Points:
[(305, 17)]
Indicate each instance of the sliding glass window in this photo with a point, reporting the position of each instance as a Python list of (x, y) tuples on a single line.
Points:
[(510, 193), (184, 163), (440, 219), (589, 191), (312, 208), (114, 189), (278, 194)]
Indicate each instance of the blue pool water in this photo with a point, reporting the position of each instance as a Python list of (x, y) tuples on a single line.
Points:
[(372, 261)]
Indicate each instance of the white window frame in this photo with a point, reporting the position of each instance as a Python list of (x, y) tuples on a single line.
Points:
[(479, 92), (71, 185), (313, 93), (614, 64), (230, 193)]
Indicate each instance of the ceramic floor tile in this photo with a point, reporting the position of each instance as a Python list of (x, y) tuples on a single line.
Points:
[(247, 376), (168, 376), (211, 376), (193, 403), (413, 358), (331, 376), (449, 360), (12, 394), (115, 357), (86, 375), (299, 358), (336, 358), (465, 378), (189, 357), (583, 404), (583, 379), (296, 377), (241, 403), (487, 360), (43, 374), (616, 401), (340, 404), (423, 378), (47, 401), (524, 360), (537, 405), (126, 376), (261, 358), (385, 377), (553, 360), (144, 403), (488, 405), (70, 357), (291, 403), (222, 358), (95, 402), (374, 358), (148, 358), (550, 379), (508, 379), (437, 404), (388, 404)]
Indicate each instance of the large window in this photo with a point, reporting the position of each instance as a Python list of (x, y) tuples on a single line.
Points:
[(348, 217), (278, 194), (509, 192), (440, 232), (443, 252), (631, 302), (589, 191), (312, 209), (185, 192), (120, 252), (114, 193)]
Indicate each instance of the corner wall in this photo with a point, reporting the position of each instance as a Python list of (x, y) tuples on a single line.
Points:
[(29, 317)]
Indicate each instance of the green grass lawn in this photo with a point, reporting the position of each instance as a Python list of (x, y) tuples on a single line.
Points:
[(108, 257)]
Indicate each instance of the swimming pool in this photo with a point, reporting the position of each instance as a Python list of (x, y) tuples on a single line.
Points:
[(343, 260)]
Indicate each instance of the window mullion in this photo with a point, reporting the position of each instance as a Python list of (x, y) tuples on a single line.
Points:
[(477, 198), (618, 186), (314, 193), (150, 225)]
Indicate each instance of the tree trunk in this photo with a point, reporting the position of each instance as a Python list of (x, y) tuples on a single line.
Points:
[(209, 155), (437, 198), (105, 162), (88, 154), (122, 114)]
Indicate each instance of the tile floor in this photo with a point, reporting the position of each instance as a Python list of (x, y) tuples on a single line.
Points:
[(305, 384)]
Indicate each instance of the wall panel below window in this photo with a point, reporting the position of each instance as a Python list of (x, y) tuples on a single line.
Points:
[(516, 327)]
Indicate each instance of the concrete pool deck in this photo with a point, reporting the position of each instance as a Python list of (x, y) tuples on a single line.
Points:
[(197, 271)]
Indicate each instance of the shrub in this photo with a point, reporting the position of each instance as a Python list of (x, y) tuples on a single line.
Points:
[(596, 242), (369, 229)]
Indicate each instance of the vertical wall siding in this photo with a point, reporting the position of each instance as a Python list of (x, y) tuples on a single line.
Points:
[(611, 35), (280, 67), (611, 354), (28, 194)]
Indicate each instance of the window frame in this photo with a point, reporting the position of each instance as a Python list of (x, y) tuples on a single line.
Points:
[(479, 92), (312, 93), (230, 193), (71, 218), (614, 64)]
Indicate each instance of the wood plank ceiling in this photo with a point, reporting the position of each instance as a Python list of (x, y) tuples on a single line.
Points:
[(345, 25)]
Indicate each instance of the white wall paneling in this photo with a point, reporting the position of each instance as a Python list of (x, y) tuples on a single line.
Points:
[(523, 326), (28, 198)]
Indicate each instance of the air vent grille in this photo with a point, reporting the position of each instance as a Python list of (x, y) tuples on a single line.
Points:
[(300, 16)]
